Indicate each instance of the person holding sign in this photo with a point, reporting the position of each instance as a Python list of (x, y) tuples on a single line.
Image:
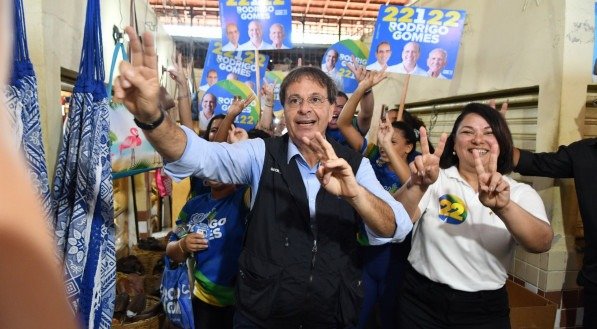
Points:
[(299, 264), (470, 218), (255, 38), (233, 37), (329, 67), (410, 55), (436, 61), (383, 54)]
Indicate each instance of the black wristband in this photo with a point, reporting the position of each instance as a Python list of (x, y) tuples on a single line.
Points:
[(152, 125), (367, 92)]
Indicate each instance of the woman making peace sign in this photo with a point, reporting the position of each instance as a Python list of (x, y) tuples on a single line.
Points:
[(469, 217)]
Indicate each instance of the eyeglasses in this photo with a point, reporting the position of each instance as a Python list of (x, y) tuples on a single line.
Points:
[(315, 101)]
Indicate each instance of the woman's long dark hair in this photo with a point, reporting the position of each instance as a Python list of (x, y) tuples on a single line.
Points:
[(500, 130)]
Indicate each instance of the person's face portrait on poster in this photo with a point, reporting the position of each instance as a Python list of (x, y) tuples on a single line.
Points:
[(255, 32), (331, 58), (276, 34), (436, 61), (208, 103), (212, 77), (383, 53), (232, 33), (411, 53)]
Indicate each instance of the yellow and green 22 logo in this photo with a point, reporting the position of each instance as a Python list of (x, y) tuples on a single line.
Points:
[(452, 209)]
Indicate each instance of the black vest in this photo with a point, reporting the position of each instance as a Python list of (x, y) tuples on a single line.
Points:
[(296, 272)]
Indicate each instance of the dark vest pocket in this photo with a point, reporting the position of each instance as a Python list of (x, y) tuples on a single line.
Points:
[(257, 286)]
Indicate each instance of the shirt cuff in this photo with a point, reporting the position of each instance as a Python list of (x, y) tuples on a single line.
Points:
[(403, 226)]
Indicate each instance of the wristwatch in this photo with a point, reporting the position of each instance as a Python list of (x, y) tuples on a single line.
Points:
[(152, 125)]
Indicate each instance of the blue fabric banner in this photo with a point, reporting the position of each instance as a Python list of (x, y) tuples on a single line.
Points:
[(23, 106), (82, 192)]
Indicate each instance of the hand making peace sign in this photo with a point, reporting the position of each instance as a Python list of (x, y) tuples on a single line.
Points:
[(334, 174), (424, 170), (494, 190), (138, 86)]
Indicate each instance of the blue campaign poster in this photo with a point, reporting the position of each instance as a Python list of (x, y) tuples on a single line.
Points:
[(231, 65), (335, 61), (416, 40), (256, 24), (276, 77), (225, 91)]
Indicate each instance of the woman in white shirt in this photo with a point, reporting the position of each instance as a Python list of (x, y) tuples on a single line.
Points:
[(468, 219)]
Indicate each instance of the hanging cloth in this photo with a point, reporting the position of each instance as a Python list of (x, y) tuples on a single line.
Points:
[(23, 107), (82, 192)]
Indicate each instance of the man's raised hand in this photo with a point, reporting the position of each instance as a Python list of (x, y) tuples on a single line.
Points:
[(334, 174), (138, 86)]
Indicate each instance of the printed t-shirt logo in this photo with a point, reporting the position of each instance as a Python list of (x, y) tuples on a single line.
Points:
[(452, 209)]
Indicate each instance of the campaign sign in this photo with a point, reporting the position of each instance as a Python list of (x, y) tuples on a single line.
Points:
[(225, 91), (256, 24), (276, 78), (417, 40), (335, 61), (230, 65)]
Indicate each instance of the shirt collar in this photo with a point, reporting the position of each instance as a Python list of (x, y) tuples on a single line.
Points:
[(453, 173), (292, 151)]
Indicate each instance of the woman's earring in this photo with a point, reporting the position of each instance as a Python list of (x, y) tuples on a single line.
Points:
[(453, 152)]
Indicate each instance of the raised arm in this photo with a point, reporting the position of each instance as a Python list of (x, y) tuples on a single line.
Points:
[(397, 163), (234, 110), (353, 136), (531, 233), (267, 107), (424, 171), (367, 102), (184, 94), (138, 88)]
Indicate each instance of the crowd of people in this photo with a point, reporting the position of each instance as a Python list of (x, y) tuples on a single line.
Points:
[(337, 225), (327, 222), (315, 227)]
